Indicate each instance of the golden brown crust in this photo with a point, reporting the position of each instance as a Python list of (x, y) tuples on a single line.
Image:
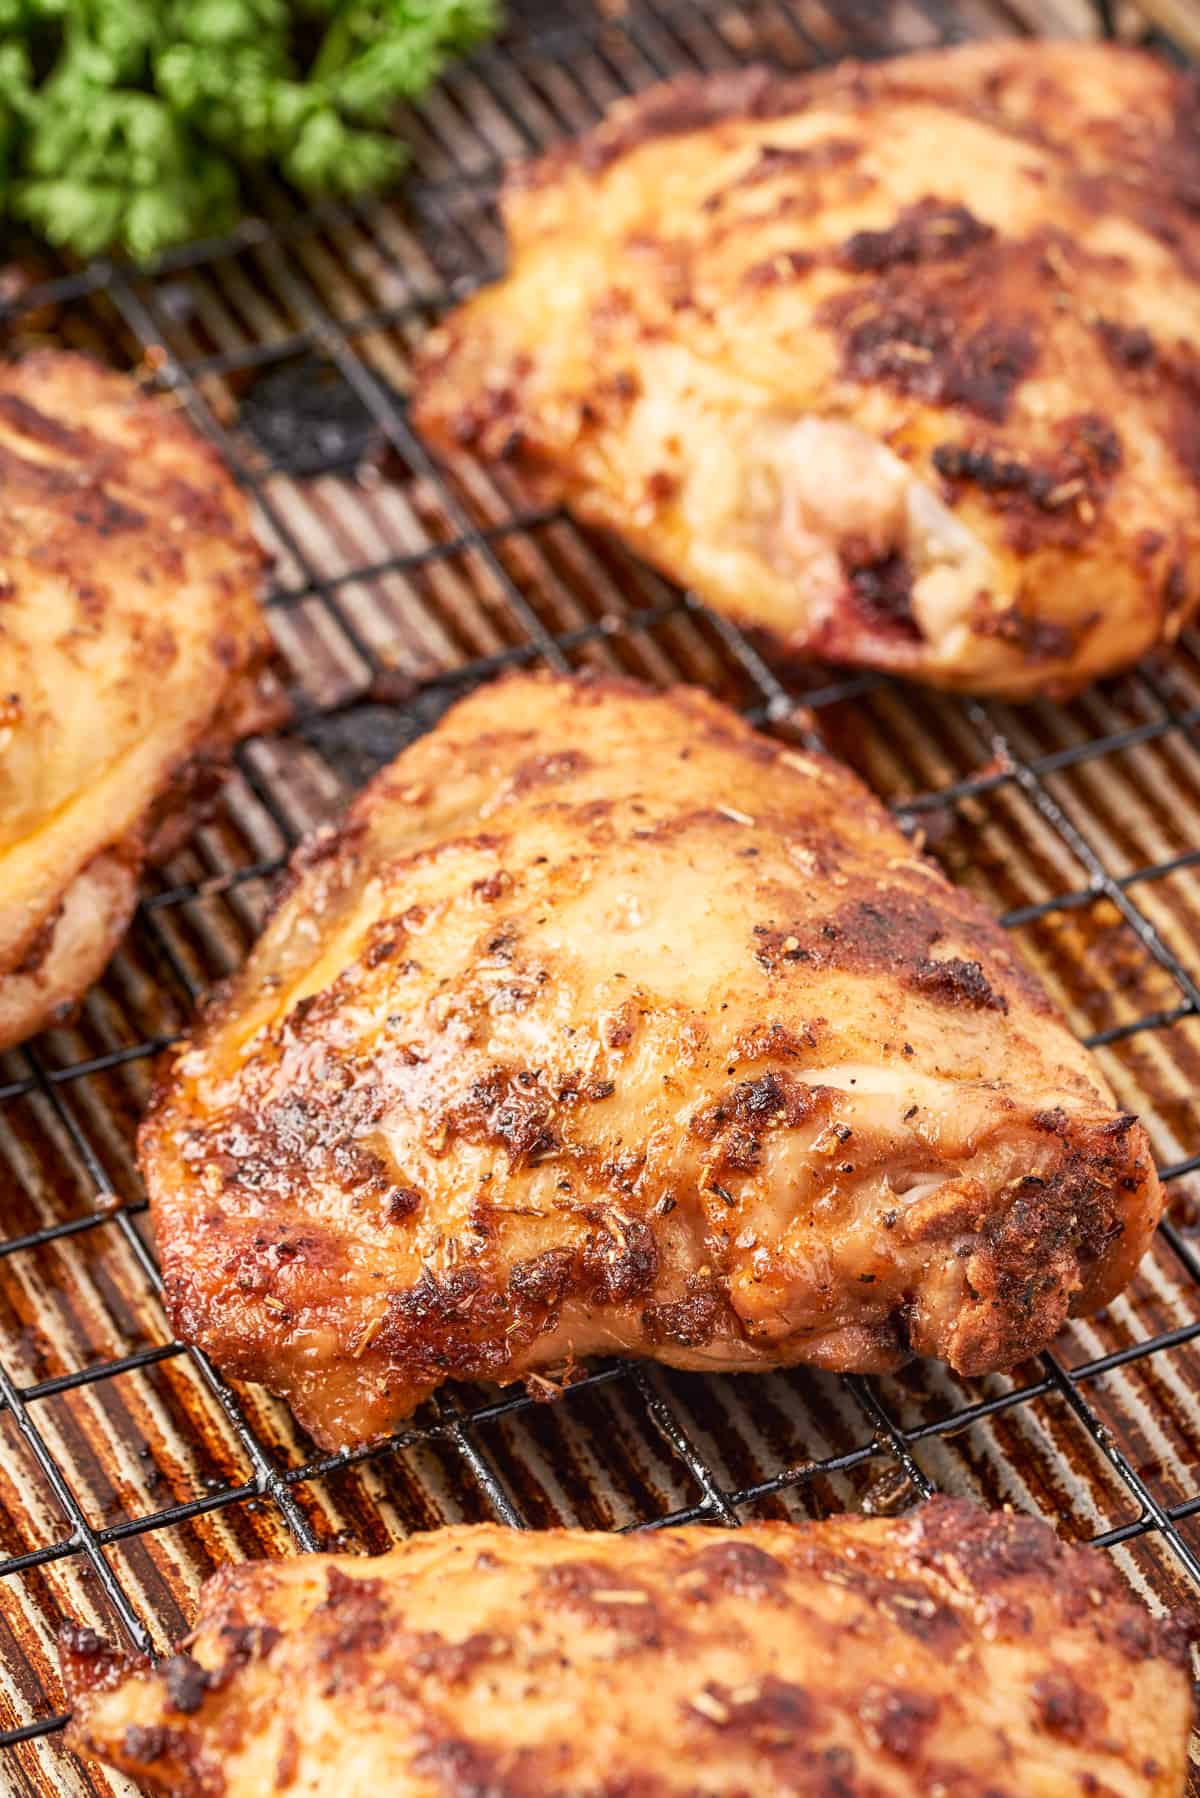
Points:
[(948, 1651), (605, 1023), (131, 653), (894, 363)]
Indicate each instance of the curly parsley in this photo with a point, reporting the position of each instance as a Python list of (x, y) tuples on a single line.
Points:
[(128, 124)]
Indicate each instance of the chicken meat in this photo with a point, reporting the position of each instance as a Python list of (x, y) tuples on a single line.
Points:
[(131, 652), (948, 1651), (607, 1024), (894, 364)]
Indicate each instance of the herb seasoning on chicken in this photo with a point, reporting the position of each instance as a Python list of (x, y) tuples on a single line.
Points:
[(894, 364), (607, 1024), (944, 1652), (131, 645)]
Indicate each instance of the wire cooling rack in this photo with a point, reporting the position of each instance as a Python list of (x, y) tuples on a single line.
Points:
[(128, 1468)]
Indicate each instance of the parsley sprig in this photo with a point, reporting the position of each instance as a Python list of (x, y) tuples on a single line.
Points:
[(128, 124)]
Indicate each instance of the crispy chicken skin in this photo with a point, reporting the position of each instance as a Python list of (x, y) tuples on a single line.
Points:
[(946, 1652), (130, 645), (895, 364), (605, 1023)]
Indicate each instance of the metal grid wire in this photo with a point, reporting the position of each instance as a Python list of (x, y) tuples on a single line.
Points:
[(442, 577)]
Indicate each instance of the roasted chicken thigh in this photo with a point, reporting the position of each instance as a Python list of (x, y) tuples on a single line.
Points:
[(896, 364), (131, 644), (945, 1652), (605, 1023)]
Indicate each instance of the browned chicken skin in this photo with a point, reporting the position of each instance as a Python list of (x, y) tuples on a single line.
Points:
[(130, 646), (895, 364), (947, 1654), (605, 1023)]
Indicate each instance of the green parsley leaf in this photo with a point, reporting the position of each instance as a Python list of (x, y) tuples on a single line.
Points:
[(130, 125)]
